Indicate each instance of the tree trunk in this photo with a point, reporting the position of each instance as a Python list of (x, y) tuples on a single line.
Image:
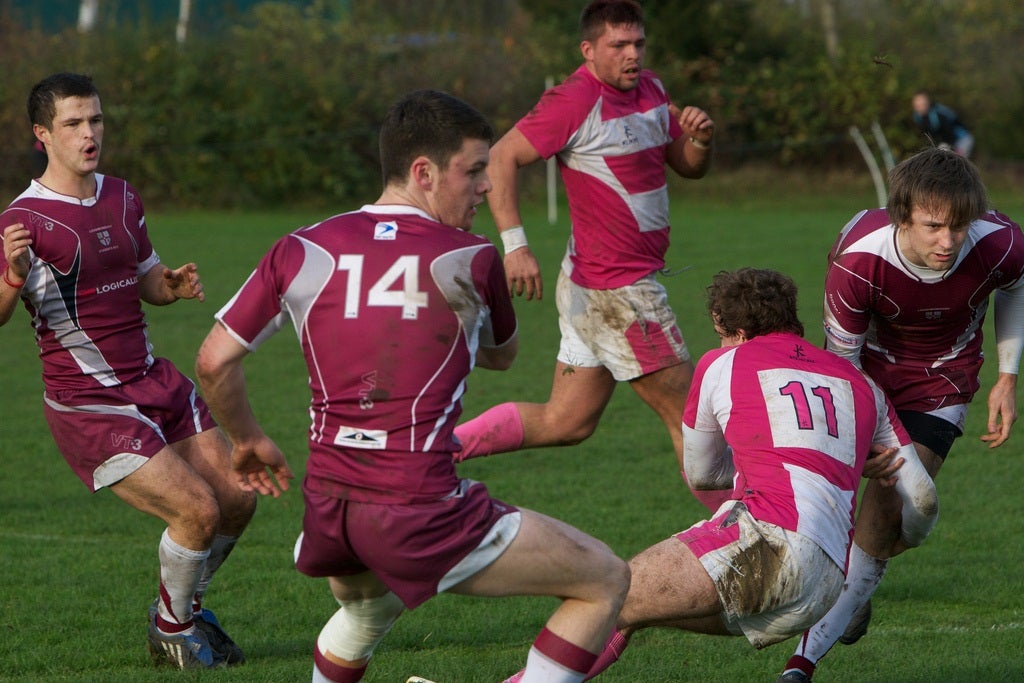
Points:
[(184, 10), (829, 29), (87, 12)]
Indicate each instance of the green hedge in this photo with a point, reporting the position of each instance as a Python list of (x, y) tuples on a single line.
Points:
[(282, 107)]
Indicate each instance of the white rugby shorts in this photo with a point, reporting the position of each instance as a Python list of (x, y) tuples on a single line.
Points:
[(773, 583), (630, 330)]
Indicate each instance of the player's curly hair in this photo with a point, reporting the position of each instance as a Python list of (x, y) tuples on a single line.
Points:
[(755, 300), (427, 123), (611, 12), (939, 180)]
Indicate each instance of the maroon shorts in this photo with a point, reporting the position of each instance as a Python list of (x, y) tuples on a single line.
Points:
[(107, 433), (417, 550)]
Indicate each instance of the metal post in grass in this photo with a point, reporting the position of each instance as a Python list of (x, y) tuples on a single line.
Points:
[(883, 146), (549, 83), (869, 159)]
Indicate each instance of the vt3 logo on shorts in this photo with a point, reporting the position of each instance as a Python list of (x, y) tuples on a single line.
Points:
[(126, 442)]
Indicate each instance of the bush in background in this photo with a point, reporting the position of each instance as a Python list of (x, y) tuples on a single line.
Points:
[(281, 105), (281, 109)]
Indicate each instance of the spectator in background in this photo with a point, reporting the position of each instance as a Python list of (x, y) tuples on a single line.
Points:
[(942, 125)]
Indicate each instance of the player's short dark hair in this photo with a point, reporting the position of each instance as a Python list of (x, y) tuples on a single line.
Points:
[(939, 180), (42, 100), (755, 300), (427, 123), (599, 13)]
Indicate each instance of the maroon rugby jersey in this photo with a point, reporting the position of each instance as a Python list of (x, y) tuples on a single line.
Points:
[(82, 290), (390, 308), (918, 332)]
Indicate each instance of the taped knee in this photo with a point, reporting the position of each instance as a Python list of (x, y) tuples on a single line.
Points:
[(356, 629)]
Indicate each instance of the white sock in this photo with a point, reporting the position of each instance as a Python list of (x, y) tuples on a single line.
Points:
[(180, 570), (219, 551), (540, 669), (862, 578)]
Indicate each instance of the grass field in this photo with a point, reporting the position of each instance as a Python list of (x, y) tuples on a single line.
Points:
[(79, 570)]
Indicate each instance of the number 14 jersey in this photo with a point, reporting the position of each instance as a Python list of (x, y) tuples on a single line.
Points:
[(390, 308)]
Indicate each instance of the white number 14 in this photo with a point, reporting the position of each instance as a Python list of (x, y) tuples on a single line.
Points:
[(408, 297)]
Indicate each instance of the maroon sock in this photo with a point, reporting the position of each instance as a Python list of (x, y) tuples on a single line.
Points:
[(564, 653), (802, 663), (337, 672)]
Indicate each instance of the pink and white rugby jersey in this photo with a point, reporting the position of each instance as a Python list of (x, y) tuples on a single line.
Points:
[(390, 308), (82, 291), (610, 146), (800, 421), (918, 331)]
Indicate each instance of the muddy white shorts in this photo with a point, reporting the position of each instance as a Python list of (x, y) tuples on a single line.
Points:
[(773, 583), (630, 330)]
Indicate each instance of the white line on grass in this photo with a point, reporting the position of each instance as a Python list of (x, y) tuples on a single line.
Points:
[(1010, 626), (49, 538)]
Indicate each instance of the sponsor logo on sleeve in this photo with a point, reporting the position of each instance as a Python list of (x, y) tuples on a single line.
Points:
[(840, 336)]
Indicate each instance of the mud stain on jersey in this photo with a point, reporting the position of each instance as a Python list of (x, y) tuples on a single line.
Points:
[(465, 299)]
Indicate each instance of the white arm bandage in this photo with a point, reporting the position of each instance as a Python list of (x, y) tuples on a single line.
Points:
[(707, 460), (840, 342), (1009, 326), (513, 238)]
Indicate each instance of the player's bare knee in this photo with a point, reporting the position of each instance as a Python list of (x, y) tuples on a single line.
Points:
[(237, 510), (611, 576), (571, 434), (202, 518), (618, 581)]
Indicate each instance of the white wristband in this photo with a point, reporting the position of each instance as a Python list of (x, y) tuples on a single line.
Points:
[(513, 238)]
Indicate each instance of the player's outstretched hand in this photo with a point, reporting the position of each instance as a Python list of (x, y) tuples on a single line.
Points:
[(523, 274), (882, 464), (1002, 410), (258, 465), (184, 282)]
